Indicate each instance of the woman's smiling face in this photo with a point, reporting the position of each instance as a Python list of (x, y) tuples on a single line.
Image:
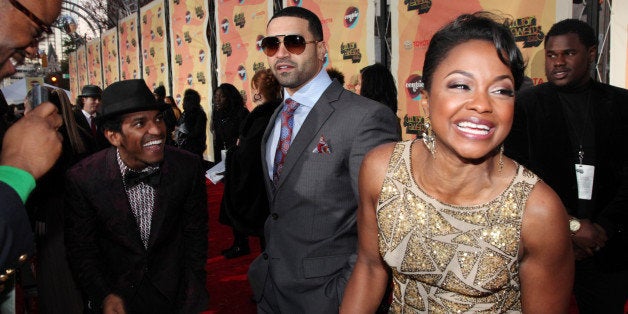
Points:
[(471, 100)]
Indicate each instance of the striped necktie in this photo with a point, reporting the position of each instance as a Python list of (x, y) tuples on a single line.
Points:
[(287, 123)]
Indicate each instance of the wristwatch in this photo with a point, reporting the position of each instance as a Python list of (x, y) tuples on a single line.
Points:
[(574, 225)]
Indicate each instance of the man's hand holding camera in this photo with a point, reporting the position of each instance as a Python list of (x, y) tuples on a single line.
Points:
[(33, 143)]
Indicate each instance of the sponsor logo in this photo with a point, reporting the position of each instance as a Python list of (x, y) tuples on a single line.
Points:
[(258, 42), (242, 72), (224, 25), (414, 85), (351, 17)]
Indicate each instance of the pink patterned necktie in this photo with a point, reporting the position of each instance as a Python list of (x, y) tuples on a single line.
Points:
[(287, 122)]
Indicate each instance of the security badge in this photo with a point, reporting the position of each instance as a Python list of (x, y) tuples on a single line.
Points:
[(584, 177)]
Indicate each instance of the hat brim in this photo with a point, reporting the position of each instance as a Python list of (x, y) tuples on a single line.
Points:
[(149, 107)]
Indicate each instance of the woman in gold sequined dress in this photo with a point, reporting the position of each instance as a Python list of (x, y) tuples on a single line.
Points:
[(463, 228)]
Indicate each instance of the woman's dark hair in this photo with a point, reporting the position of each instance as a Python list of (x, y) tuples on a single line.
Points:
[(378, 84), (476, 26), (234, 98), (266, 84), (191, 99)]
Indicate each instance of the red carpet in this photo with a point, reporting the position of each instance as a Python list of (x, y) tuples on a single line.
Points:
[(229, 290)]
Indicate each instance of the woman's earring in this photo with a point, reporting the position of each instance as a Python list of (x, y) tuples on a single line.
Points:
[(428, 137), (500, 161)]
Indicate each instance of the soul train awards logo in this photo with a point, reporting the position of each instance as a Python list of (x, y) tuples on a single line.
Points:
[(224, 25), (350, 51), (414, 124), (242, 72), (258, 66), (351, 17), (421, 6), (527, 31), (239, 20), (226, 49), (414, 85)]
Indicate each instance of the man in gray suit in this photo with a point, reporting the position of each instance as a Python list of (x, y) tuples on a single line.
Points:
[(312, 157)]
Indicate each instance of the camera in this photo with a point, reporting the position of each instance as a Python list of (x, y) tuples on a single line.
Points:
[(37, 95)]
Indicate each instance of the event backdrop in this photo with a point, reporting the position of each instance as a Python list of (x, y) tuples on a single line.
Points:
[(129, 48), (73, 72), (348, 31), (190, 55), (618, 74), (94, 65), (414, 23), (81, 61), (154, 45), (240, 28), (110, 62)]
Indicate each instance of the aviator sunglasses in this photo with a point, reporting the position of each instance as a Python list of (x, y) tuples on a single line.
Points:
[(294, 44)]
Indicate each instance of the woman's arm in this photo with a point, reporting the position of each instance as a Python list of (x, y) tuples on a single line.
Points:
[(547, 266), (368, 281)]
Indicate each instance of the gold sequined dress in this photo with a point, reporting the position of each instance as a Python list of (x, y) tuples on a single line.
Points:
[(447, 258)]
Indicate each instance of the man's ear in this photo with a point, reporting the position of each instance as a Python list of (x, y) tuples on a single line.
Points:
[(113, 137), (592, 51), (321, 50)]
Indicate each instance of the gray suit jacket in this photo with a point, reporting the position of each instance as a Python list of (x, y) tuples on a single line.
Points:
[(311, 232)]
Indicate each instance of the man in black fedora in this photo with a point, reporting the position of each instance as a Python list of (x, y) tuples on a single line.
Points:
[(136, 217), (85, 113)]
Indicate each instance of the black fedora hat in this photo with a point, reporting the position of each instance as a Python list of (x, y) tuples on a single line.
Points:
[(127, 96), (91, 91)]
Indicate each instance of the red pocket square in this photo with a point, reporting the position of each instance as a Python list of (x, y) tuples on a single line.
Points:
[(322, 147)]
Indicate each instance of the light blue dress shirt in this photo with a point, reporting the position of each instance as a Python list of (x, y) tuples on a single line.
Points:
[(307, 96)]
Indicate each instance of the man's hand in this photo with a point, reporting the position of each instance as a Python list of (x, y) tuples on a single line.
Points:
[(33, 143), (113, 304), (589, 239)]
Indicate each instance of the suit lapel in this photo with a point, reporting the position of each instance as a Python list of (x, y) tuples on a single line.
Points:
[(166, 183), (312, 124), (271, 124)]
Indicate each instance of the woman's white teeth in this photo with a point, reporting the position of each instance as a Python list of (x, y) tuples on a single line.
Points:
[(473, 128)]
